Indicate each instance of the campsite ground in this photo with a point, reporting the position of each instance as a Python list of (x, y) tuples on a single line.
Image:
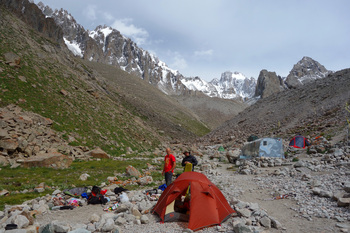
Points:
[(250, 191), (279, 209)]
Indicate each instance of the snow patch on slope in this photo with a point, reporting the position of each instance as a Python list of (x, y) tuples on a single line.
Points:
[(73, 46)]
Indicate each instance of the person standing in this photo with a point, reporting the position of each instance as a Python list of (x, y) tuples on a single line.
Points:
[(189, 159), (169, 166)]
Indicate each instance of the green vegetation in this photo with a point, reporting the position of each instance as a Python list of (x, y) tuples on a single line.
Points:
[(92, 117), (18, 179)]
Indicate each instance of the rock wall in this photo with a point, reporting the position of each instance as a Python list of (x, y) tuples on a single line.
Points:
[(268, 83), (32, 15)]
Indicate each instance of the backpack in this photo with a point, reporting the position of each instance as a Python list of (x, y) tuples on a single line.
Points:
[(95, 197)]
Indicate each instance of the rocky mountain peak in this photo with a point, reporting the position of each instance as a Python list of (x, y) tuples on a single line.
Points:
[(268, 83), (305, 71)]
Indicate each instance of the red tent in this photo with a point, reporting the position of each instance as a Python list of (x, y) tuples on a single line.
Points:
[(207, 207), (299, 142)]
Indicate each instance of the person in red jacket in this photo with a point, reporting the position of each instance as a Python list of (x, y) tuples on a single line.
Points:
[(169, 166)]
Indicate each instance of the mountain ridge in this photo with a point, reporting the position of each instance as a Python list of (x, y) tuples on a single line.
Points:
[(100, 45)]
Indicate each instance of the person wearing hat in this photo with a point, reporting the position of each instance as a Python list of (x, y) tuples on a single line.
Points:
[(189, 159)]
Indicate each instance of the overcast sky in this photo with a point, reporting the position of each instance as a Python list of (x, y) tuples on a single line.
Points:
[(208, 37)]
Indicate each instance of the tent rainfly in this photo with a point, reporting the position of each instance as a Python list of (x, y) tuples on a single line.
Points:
[(207, 205), (263, 147), (299, 142)]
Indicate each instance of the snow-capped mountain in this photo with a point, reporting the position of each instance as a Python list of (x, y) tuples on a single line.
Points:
[(305, 71), (229, 86), (108, 45)]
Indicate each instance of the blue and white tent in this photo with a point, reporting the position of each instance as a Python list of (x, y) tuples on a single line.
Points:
[(263, 147)]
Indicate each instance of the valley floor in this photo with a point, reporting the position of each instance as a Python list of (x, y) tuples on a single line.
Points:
[(243, 188)]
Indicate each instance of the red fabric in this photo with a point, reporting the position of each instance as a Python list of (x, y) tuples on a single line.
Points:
[(208, 205), (169, 161)]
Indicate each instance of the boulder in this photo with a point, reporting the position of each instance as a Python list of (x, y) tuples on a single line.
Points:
[(21, 221), (109, 225), (145, 180), (4, 192), (343, 202), (58, 226), (84, 176), (9, 144), (131, 171), (12, 59), (232, 156), (99, 153), (53, 160), (266, 222), (94, 218), (144, 219)]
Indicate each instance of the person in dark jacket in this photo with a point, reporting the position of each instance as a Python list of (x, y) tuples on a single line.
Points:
[(189, 159)]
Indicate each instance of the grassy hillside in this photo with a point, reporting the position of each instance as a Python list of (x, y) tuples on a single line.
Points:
[(82, 102), (213, 111)]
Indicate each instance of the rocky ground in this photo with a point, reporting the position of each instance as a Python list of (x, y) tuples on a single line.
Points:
[(308, 195)]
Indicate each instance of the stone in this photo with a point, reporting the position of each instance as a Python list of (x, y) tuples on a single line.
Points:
[(57, 191), (324, 193), (131, 171), (343, 202), (120, 221), (187, 231), (266, 222), (51, 160), (9, 144), (84, 176), (316, 191), (108, 226), (40, 188), (58, 226), (135, 212), (232, 156), (64, 92), (80, 230), (22, 78), (4, 192), (32, 229), (12, 59), (244, 212), (3, 134), (205, 167), (145, 180), (21, 221), (347, 187), (98, 153), (144, 219), (276, 224), (241, 228), (94, 218)]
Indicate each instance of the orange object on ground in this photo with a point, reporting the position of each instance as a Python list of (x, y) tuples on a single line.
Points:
[(208, 206)]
